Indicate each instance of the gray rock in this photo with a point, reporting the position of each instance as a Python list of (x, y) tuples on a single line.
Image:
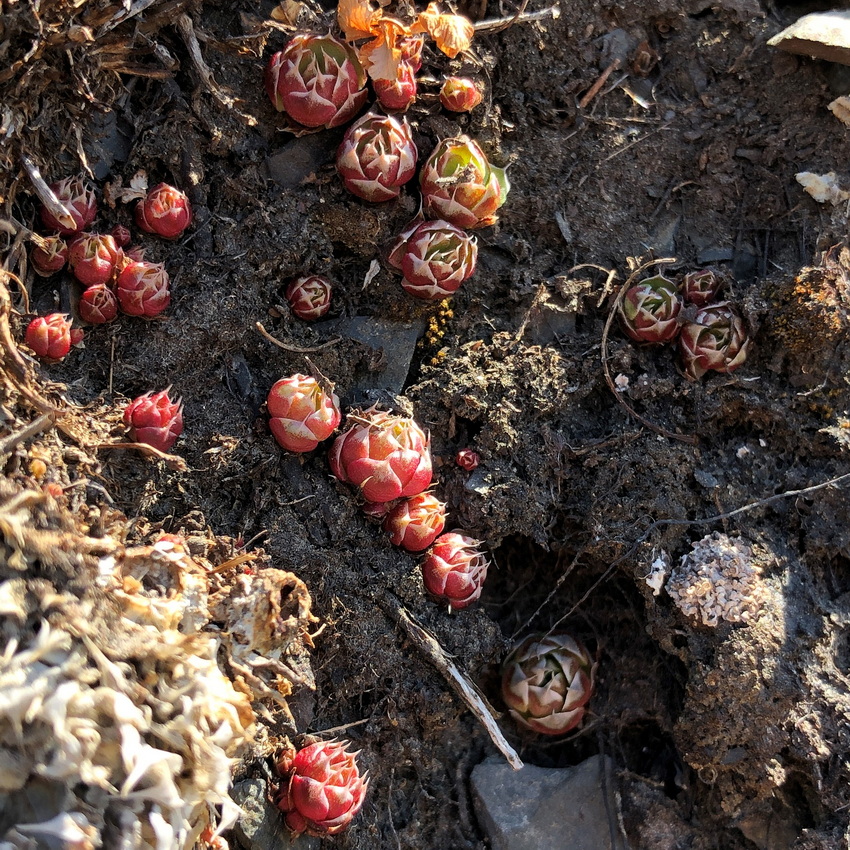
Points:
[(397, 340), (107, 140), (822, 35), (539, 808), (261, 827), (301, 157)]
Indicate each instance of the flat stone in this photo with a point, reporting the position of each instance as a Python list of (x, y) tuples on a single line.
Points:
[(261, 827), (540, 808), (822, 35), (301, 157), (397, 340)]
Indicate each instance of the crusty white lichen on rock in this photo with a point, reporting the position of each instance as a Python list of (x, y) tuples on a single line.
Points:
[(718, 580)]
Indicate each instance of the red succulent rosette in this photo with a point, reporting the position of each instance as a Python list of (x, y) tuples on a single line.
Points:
[(454, 569), (415, 523), (309, 296), (377, 157), (716, 340), (154, 419), (385, 455), (460, 94), (75, 195), (649, 310), (435, 258), (50, 336), (93, 258), (547, 681), (143, 289), (321, 789), (98, 305), (49, 255), (317, 80), (701, 287), (459, 185), (301, 413), (165, 211)]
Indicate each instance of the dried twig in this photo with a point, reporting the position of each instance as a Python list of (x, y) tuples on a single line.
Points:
[(34, 427), (46, 195), (427, 644), (294, 348), (173, 461), (690, 439), (495, 25), (595, 88)]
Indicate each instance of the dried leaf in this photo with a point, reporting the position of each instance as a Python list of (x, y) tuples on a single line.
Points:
[(357, 18), (451, 33), (287, 12), (382, 55)]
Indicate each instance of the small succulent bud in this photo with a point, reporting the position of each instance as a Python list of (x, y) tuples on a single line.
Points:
[(460, 185), (93, 258), (416, 522), (50, 336), (98, 305), (547, 681), (435, 259), (377, 157), (143, 289), (154, 419), (701, 287), (321, 790), (467, 459), (165, 211), (454, 569), (715, 340), (386, 456), (78, 199), (649, 310), (121, 235), (302, 413), (460, 94), (309, 297), (376, 511), (49, 256), (317, 80), (397, 95)]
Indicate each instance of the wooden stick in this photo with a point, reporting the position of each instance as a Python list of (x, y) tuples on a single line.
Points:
[(427, 644), (34, 427)]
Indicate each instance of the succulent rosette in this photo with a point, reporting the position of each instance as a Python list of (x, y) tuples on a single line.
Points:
[(309, 296), (397, 95), (547, 681), (317, 80), (50, 336), (301, 413), (377, 157), (460, 94), (121, 235), (49, 255), (98, 305), (321, 790), (460, 185), (385, 455), (701, 287), (154, 419), (649, 310), (454, 569), (467, 459), (435, 259), (716, 340), (416, 522), (143, 289), (93, 258), (80, 202), (165, 211)]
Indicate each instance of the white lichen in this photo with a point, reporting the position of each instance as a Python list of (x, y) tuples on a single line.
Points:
[(718, 580)]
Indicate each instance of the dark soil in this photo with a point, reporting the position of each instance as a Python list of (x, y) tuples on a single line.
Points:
[(733, 737)]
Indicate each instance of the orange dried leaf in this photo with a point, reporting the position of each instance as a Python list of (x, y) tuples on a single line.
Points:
[(451, 33), (382, 55), (357, 18)]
